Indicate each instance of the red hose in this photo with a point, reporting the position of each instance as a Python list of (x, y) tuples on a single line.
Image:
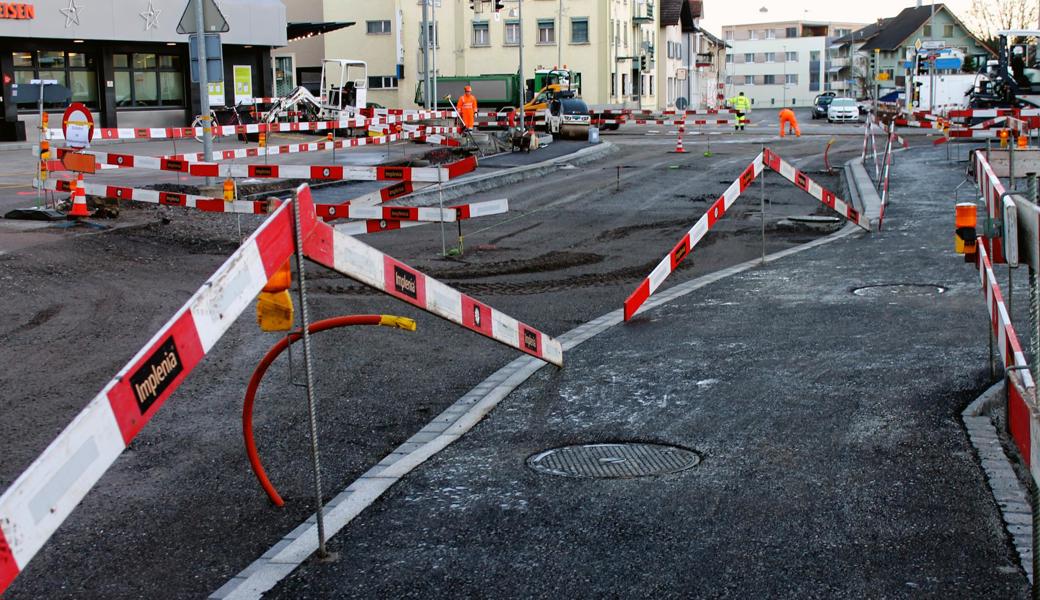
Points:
[(265, 362), (826, 158)]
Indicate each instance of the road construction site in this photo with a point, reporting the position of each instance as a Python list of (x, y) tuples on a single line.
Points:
[(819, 392)]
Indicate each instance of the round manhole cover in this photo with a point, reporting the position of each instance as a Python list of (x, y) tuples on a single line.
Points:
[(888, 290), (614, 460)]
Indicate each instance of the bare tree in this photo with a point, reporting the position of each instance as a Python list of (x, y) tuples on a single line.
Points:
[(986, 17)]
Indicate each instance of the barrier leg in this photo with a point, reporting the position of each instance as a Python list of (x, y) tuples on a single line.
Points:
[(762, 210), (309, 373)]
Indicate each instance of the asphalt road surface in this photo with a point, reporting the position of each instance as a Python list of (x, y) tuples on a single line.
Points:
[(180, 513)]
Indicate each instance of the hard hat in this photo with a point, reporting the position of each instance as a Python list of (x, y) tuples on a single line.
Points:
[(468, 89)]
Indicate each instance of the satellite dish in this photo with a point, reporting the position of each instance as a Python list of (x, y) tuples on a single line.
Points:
[(681, 103)]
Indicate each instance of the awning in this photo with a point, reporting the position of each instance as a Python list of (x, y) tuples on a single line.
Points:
[(835, 69), (298, 31)]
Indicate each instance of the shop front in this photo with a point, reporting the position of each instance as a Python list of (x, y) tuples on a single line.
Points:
[(125, 60)]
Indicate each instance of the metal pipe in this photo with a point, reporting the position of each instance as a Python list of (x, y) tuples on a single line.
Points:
[(207, 123), (425, 37)]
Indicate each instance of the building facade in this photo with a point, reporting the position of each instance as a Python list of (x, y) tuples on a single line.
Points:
[(125, 60), (604, 40), (690, 59), (877, 54), (783, 63)]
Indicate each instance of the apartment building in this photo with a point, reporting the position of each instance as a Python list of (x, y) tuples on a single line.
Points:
[(783, 63), (690, 59), (604, 40)]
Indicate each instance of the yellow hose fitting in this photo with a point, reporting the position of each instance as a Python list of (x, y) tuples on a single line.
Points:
[(398, 322)]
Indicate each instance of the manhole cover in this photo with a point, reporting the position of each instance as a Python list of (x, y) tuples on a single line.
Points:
[(614, 460), (899, 289)]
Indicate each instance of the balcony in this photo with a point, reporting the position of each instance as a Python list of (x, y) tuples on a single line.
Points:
[(642, 11), (705, 59), (841, 62)]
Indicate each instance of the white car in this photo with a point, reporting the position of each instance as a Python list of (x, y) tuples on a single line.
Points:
[(842, 110)]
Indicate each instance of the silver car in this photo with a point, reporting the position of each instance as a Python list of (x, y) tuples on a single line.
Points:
[(842, 110)]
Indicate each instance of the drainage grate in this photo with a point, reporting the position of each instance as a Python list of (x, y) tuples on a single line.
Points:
[(612, 461), (888, 290)]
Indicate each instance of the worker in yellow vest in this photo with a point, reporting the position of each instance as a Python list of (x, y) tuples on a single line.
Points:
[(741, 104)]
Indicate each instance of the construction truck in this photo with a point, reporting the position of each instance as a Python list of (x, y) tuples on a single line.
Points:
[(1012, 80), (502, 92)]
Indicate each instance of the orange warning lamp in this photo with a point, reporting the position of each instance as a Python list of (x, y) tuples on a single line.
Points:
[(1023, 142), (328, 136), (965, 221), (274, 307), (1003, 135), (229, 190), (263, 139), (45, 155)]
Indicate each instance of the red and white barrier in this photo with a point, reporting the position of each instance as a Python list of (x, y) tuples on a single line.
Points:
[(42, 497), (462, 212), (321, 172), (203, 203), (686, 245), (767, 159), (992, 191)]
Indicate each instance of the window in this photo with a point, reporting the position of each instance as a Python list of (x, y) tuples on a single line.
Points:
[(729, 35), (580, 30), (948, 31), (481, 35), (791, 56), (791, 32), (842, 32), (382, 82), (770, 56), (729, 79), (432, 32), (512, 33), (792, 78), (729, 59), (814, 55), (770, 34), (749, 57), (752, 35), (378, 27), (74, 70), (769, 79), (547, 31), (927, 31), (147, 79)]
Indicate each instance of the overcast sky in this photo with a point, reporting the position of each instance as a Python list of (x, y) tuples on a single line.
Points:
[(721, 12)]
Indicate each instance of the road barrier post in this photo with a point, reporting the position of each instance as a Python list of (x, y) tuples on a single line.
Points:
[(1034, 293), (762, 210)]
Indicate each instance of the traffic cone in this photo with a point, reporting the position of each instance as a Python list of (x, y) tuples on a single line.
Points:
[(678, 141), (79, 200)]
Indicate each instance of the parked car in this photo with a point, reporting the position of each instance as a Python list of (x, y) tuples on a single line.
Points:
[(842, 110), (820, 105)]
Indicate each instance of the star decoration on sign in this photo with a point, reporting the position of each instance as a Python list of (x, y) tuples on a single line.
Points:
[(71, 13), (151, 17)]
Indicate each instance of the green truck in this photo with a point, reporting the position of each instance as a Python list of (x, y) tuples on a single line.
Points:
[(497, 92)]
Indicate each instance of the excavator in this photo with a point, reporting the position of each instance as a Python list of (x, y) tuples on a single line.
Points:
[(1012, 80), (340, 95)]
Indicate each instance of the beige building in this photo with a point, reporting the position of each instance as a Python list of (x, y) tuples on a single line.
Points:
[(689, 59), (603, 40)]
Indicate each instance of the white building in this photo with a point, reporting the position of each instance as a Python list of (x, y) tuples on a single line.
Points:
[(689, 58), (780, 64)]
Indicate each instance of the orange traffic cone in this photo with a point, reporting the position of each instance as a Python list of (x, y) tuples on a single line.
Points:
[(678, 141), (79, 200)]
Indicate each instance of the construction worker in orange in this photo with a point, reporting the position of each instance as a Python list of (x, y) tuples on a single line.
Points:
[(788, 122), (468, 108)]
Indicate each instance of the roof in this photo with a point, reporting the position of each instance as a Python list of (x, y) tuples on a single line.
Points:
[(893, 33), (711, 38), (681, 12), (671, 11), (298, 31)]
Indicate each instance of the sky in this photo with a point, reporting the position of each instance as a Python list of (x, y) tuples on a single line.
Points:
[(721, 12)]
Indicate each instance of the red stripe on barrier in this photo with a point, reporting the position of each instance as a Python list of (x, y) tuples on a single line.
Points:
[(476, 316), (462, 167), (326, 172), (160, 371), (638, 297), (263, 170), (8, 566), (173, 199), (1018, 421), (374, 226), (272, 241), (210, 204), (204, 170), (404, 282), (119, 193)]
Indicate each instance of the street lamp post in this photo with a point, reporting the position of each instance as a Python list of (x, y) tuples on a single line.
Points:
[(784, 103)]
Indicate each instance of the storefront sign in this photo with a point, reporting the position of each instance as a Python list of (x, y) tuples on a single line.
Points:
[(243, 75), (15, 10)]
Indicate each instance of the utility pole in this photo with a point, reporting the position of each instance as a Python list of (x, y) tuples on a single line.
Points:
[(434, 44), (207, 124), (523, 81), (426, 53), (931, 62), (559, 41)]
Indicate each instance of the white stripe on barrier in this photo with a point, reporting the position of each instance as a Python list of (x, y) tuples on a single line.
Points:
[(463, 212), (203, 203)]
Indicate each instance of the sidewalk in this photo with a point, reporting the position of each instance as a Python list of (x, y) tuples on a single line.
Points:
[(833, 460)]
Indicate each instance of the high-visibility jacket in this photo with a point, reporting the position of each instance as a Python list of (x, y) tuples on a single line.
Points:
[(741, 103), (467, 109)]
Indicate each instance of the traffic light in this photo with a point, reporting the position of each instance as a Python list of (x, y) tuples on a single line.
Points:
[(643, 63)]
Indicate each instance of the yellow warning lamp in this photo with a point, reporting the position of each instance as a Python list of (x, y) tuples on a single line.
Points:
[(964, 241), (1003, 135), (263, 139), (45, 155), (1023, 142), (229, 190), (274, 307)]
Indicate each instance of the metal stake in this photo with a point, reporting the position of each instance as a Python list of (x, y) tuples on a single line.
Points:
[(762, 209), (1034, 501), (440, 202), (309, 373)]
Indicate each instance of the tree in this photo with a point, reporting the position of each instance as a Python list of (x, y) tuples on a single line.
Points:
[(987, 17)]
